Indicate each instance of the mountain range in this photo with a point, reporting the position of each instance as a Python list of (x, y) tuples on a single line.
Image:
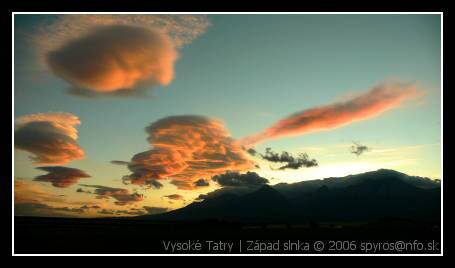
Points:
[(368, 196)]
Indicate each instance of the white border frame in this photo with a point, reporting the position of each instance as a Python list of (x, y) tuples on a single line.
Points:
[(238, 13)]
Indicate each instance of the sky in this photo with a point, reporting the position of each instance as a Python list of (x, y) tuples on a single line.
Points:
[(178, 100)]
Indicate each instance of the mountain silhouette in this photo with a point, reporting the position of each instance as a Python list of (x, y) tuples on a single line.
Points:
[(368, 196), (265, 204)]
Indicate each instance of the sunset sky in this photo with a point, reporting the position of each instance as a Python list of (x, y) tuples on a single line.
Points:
[(175, 100)]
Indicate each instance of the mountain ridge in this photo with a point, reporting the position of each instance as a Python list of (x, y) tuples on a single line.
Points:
[(370, 195)]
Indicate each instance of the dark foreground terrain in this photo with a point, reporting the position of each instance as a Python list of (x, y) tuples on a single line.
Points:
[(382, 211), (136, 236)]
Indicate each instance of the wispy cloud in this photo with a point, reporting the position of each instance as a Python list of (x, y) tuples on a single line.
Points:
[(182, 29), (400, 149), (371, 104), (27, 192)]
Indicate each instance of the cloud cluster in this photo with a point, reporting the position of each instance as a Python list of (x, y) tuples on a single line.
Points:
[(122, 196), (371, 104), (292, 162), (185, 149), (50, 137), (145, 210), (122, 212), (61, 177)]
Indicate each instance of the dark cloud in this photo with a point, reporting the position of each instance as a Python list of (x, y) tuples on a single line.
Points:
[(68, 209), (155, 184), (186, 148), (50, 137), (174, 197), (252, 151), (122, 196), (90, 207), (80, 190), (291, 162), (155, 210), (61, 177), (115, 58), (235, 179), (201, 183), (131, 212), (359, 149)]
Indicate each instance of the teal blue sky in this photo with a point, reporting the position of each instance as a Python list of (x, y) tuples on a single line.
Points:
[(252, 70)]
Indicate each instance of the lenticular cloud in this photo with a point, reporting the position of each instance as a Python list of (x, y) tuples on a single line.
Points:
[(113, 58), (61, 177), (117, 55), (186, 149), (49, 137)]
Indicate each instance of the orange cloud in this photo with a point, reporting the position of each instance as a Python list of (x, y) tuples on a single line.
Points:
[(50, 137), (115, 58), (31, 199), (375, 102), (120, 55), (26, 192), (186, 149)]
